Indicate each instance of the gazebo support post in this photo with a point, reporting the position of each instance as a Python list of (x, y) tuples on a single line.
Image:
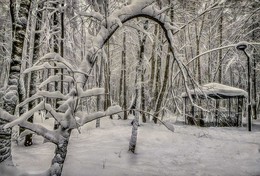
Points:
[(217, 112), (229, 109), (239, 109), (185, 110)]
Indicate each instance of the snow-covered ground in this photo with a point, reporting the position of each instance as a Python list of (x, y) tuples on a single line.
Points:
[(189, 150)]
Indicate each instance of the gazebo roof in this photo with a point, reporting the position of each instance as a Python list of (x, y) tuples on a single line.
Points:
[(216, 91)]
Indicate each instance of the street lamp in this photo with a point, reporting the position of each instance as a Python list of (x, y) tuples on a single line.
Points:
[(242, 47)]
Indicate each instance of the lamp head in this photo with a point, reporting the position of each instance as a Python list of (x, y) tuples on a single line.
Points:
[(241, 46)]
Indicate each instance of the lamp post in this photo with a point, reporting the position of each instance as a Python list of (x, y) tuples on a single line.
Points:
[(242, 47)]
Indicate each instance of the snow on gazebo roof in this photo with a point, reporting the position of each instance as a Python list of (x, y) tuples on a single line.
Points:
[(217, 91)]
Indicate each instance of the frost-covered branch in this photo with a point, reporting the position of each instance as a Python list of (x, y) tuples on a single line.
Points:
[(85, 117), (45, 65), (52, 136), (90, 92), (26, 115), (56, 78), (96, 15), (43, 94), (56, 57), (169, 126)]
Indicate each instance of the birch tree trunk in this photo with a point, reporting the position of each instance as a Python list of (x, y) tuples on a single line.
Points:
[(11, 98)]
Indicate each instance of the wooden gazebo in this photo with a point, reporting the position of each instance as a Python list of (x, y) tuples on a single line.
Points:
[(220, 105)]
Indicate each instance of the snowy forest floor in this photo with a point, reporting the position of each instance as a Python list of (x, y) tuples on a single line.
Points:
[(190, 150)]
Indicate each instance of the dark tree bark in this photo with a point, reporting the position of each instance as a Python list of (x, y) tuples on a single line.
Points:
[(12, 96), (100, 84), (60, 155), (158, 72), (56, 50), (220, 28), (107, 71), (152, 73), (159, 100), (256, 58), (124, 78), (143, 95), (36, 54)]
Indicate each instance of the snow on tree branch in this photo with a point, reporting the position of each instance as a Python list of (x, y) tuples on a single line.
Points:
[(98, 16), (45, 65), (52, 136), (25, 116), (56, 78), (55, 57), (85, 117), (90, 92), (57, 116)]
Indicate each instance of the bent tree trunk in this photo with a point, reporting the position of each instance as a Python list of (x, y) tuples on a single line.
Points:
[(60, 155), (12, 95)]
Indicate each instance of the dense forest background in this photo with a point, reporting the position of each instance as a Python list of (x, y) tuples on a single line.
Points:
[(198, 26)]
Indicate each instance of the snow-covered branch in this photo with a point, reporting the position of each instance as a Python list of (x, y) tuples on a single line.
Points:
[(55, 57), (56, 78), (85, 117), (25, 116), (90, 92), (98, 16), (52, 136), (45, 65)]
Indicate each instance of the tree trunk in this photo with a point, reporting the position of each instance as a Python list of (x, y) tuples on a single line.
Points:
[(62, 28), (59, 156), (159, 100), (13, 91), (99, 97), (220, 28), (124, 78), (138, 85), (143, 96), (122, 75), (255, 37), (107, 71), (152, 77), (135, 122), (56, 50), (36, 54), (158, 72), (163, 89)]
